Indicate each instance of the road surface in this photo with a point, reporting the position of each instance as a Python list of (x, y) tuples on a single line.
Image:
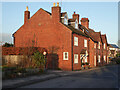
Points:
[(106, 77)]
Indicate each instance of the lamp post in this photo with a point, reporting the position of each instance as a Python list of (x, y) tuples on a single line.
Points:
[(44, 53)]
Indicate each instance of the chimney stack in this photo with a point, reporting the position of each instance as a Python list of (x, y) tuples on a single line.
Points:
[(26, 15), (85, 22), (56, 12), (76, 16)]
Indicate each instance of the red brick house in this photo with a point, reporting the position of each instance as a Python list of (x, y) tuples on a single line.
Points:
[(105, 49), (98, 46), (45, 29), (74, 43), (84, 27)]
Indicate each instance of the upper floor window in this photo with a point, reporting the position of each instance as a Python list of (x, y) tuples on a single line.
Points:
[(75, 58), (65, 20), (94, 45), (104, 45), (85, 43), (98, 45), (76, 24), (75, 41), (65, 55)]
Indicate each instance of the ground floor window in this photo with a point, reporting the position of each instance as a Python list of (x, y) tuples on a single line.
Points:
[(94, 60), (105, 58), (99, 58), (75, 58), (65, 55)]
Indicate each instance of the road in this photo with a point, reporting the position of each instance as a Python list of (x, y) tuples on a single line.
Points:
[(106, 77)]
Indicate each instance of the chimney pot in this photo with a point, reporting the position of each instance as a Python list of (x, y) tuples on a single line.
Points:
[(53, 4), (27, 8), (57, 3)]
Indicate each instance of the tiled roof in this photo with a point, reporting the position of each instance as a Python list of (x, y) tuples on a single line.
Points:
[(75, 30), (104, 38), (71, 20), (87, 32), (96, 36), (113, 45), (63, 14)]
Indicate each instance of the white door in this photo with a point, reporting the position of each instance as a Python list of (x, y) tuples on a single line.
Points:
[(94, 60)]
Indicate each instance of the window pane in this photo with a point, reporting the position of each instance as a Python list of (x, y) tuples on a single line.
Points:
[(75, 58), (65, 55), (85, 43), (76, 41)]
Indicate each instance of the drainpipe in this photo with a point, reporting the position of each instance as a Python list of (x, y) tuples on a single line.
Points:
[(72, 52), (88, 51)]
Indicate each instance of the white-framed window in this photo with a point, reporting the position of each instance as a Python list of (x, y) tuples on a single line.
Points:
[(104, 45), (94, 60), (75, 41), (99, 58), (85, 43), (104, 58), (98, 45), (75, 58), (76, 24), (65, 55), (94, 45), (65, 20)]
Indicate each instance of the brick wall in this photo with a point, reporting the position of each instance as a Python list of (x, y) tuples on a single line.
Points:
[(77, 50), (45, 32)]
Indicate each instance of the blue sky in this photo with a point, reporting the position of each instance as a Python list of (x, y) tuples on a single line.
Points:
[(103, 16)]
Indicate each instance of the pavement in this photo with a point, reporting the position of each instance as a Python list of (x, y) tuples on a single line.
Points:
[(50, 74)]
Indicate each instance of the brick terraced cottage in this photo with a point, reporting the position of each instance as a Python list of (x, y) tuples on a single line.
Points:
[(70, 39)]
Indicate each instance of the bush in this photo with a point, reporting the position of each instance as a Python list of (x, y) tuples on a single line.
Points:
[(59, 69), (87, 63), (39, 59), (83, 63), (117, 60), (6, 68)]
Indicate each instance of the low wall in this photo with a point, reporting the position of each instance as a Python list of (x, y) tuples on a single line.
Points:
[(12, 59)]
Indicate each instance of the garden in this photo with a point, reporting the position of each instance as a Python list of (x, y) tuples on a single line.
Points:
[(32, 65)]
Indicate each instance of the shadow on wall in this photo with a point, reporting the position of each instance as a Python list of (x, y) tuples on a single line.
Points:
[(52, 61)]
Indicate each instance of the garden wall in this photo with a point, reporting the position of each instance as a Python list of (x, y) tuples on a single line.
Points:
[(12, 59)]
